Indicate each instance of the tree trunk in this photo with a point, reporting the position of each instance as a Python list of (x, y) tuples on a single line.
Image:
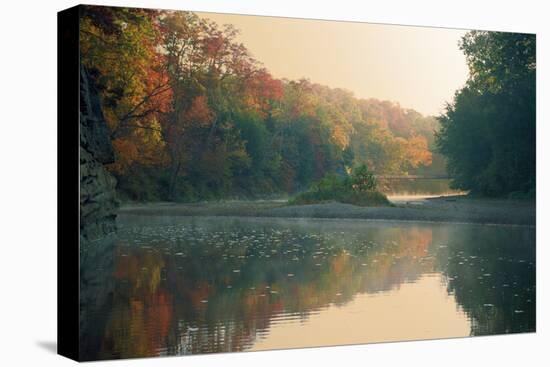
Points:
[(174, 171)]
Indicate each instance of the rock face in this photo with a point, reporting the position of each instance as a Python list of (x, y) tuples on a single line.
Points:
[(98, 202)]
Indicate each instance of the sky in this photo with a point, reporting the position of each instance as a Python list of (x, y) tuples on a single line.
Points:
[(418, 67)]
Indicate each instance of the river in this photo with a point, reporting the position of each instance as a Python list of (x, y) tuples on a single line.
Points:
[(186, 285)]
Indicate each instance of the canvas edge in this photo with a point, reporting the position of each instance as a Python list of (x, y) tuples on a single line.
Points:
[(68, 202)]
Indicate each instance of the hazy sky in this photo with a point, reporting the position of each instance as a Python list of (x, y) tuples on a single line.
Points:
[(418, 67)]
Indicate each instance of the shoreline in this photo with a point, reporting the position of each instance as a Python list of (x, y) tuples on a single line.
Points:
[(444, 209)]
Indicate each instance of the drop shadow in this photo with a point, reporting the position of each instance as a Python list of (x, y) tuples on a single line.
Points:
[(50, 346)]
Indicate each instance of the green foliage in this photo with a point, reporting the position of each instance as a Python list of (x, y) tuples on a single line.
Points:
[(194, 117), (358, 189), (488, 132), (362, 180)]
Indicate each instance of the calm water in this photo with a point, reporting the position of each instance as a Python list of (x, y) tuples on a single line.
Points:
[(172, 286), (433, 187)]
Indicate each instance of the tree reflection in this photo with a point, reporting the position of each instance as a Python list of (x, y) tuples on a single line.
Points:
[(492, 274), (218, 286)]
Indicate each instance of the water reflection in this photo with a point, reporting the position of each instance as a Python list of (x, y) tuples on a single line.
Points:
[(200, 285)]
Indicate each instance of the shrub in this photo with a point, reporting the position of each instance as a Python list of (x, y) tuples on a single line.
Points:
[(363, 180), (357, 189)]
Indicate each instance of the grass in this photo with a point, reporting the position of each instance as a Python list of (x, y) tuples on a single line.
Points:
[(368, 198)]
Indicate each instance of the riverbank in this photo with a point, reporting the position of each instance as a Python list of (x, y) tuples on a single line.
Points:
[(457, 209)]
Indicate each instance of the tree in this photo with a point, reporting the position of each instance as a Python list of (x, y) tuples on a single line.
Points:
[(362, 179), (118, 46), (194, 116), (488, 132)]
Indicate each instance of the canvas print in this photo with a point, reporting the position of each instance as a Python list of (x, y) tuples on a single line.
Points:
[(253, 183)]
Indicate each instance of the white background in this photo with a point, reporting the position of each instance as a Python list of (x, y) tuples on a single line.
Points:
[(28, 182)]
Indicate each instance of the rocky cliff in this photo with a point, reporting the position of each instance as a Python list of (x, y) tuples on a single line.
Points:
[(98, 202)]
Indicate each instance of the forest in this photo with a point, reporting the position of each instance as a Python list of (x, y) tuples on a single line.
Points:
[(488, 131), (193, 116)]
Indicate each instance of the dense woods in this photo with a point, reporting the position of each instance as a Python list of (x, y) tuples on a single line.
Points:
[(193, 116), (488, 132)]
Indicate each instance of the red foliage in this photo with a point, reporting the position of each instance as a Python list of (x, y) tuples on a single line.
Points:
[(199, 113)]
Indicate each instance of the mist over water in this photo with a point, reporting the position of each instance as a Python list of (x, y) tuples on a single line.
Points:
[(418, 187), (184, 285)]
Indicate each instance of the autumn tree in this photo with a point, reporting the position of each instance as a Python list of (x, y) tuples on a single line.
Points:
[(194, 116), (119, 48)]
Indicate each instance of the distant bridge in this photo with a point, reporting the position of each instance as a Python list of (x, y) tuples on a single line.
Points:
[(413, 177)]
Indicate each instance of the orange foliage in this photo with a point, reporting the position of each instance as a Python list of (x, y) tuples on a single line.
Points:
[(199, 113), (126, 153), (340, 136), (417, 152)]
